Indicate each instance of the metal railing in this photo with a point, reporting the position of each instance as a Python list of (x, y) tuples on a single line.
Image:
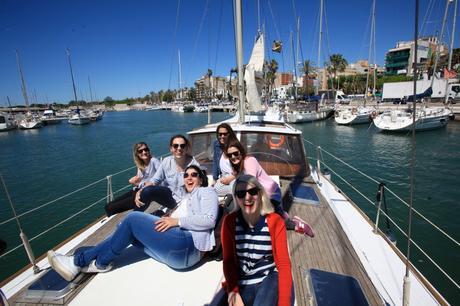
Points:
[(379, 211)]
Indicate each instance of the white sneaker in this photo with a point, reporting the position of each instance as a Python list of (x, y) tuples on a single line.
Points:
[(63, 265), (93, 268)]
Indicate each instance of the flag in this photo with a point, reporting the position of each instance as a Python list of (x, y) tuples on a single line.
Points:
[(449, 74)]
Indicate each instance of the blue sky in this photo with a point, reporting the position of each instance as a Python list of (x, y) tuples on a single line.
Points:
[(129, 48)]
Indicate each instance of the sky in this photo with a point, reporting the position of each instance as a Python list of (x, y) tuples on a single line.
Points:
[(130, 48)]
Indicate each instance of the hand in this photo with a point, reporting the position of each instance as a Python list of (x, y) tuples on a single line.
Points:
[(234, 299), (135, 180), (227, 180), (137, 199), (166, 223)]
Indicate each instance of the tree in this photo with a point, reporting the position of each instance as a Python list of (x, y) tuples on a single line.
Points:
[(272, 68), (191, 94), (337, 63), (307, 69)]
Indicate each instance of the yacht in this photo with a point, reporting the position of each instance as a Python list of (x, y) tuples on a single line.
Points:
[(355, 115), (7, 122), (50, 117), (80, 117)]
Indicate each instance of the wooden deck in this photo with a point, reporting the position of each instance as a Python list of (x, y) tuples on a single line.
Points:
[(329, 250)]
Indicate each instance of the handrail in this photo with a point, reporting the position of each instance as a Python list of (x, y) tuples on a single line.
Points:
[(62, 197), (383, 212)]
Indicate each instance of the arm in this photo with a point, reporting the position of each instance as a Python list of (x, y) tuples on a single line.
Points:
[(159, 174), (230, 265), (251, 166), (282, 260), (206, 201), (135, 180)]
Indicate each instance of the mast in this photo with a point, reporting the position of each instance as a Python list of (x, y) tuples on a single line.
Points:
[(239, 56), (71, 74), (451, 48), (320, 39), (180, 75), (297, 55), (23, 82), (438, 46), (294, 70), (90, 91), (369, 54)]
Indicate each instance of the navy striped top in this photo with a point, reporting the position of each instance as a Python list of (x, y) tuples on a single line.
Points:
[(254, 251)]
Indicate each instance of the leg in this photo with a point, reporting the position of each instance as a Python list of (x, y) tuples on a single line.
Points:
[(220, 299), (267, 291), (160, 194), (174, 247), (122, 203)]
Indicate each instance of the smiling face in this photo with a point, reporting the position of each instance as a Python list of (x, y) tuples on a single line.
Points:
[(234, 155), (222, 135), (248, 199), (143, 152), (191, 179), (178, 147)]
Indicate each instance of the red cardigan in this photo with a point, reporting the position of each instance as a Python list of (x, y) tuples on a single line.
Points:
[(278, 237)]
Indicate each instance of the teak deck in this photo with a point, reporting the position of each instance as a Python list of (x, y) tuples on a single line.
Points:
[(329, 250)]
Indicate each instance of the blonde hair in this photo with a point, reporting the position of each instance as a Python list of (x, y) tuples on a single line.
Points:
[(267, 206), (139, 162)]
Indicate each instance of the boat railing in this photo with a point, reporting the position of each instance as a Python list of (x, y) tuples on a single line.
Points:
[(108, 197), (381, 187)]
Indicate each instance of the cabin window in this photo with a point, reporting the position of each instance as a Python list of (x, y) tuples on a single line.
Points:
[(456, 89), (203, 149), (2, 119)]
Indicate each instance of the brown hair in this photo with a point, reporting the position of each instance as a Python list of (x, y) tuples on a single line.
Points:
[(231, 133), (139, 162), (235, 143), (187, 143)]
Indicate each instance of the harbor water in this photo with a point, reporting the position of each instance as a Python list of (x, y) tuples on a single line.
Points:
[(42, 165)]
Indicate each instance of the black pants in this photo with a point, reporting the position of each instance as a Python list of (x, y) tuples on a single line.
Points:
[(123, 203)]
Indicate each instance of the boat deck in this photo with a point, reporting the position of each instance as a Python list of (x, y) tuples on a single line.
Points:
[(330, 250)]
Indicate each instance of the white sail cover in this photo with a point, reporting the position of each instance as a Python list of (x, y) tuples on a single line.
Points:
[(253, 76)]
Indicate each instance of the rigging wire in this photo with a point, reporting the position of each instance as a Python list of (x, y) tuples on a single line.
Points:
[(219, 30), (174, 44)]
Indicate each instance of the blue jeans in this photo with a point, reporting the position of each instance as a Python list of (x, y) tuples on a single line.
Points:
[(261, 294), (174, 247), (160, 194)]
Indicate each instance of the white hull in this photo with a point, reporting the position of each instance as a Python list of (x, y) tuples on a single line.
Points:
[(402, 120), (306, 116), (354, 116), (7, 123), (79, 120), (28, 124)]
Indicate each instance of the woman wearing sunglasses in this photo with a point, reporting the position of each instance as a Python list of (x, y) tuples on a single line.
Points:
[(244, 164), (256, 261), (146, 165), (178, 240), (221, 168), (166, 186)]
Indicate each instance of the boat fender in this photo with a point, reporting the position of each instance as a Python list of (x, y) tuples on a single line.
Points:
[(337, 114), (276, 143), (354, 111), (374, 115)]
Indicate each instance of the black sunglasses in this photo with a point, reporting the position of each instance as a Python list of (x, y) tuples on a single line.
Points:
[(222, 134), (233, 154), (182, 145), (242, 193), (147, 150), (193, 174)]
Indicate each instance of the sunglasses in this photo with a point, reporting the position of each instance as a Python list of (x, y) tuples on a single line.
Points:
[(146, 150), (176, 145), (233, 154), (242, 193), (222, 134), (193, 174)]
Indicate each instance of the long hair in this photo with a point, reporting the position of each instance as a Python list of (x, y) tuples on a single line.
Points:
[(235, 143), (201, 174), (231, 132), (139, 162), (266, 204)]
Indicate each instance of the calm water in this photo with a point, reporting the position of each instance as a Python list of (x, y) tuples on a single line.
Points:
[(42, 165)]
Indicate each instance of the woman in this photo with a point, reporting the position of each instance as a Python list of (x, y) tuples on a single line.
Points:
[(256, 261), (244, 164), (178, 240), (166, 186), (221, 168), (146, 165)]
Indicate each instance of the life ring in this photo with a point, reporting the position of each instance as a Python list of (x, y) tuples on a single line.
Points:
[(276, 144), (374, 115)]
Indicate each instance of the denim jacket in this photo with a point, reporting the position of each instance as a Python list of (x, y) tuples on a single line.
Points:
[(216, 160), (202, 215)]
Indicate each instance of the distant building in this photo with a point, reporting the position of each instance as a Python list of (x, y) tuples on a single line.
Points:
[(400, 59), (209, 87)]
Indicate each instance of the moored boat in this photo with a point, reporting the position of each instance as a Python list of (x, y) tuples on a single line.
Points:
[(355, 115), (7, 122)]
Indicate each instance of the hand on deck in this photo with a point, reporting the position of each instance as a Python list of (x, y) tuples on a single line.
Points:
[(137, 199), (166, 223), (234, 299)]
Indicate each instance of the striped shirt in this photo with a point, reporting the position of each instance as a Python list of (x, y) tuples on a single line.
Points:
[(254, 251)]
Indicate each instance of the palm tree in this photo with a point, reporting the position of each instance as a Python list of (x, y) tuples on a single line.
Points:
[(272, 68), (338, 64), (307, 69)]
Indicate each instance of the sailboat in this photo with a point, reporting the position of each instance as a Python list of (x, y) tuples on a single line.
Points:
[(28, 121), (79, 117), (349, 262), (361, 113), (424, 118)]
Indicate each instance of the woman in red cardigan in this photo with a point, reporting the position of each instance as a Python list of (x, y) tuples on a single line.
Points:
[(256, 261)]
